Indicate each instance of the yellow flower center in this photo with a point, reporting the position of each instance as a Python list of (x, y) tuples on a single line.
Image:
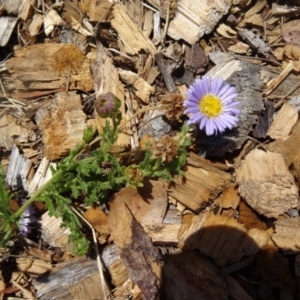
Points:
[(211, 106)]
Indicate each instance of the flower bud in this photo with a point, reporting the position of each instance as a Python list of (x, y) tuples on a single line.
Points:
[(106, 105)]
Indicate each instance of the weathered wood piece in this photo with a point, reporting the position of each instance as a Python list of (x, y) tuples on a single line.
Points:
[(113, 262), (266, 184), (33, 265), (189, 275), (255, 42), (22, 8), (289, 149), (200, 185), (49, 66), (136, 249), (106, 79), (62, 123), (7, 25), (96, 10), (163, 234), (130, 34), (287, 235), (283, 123), (41, 176), (194, 21), (246, 79), (230, 197), (12, 131), (78, 278), (148, 204), (19, 170), (222, 238), (143, 88), (53, 234)]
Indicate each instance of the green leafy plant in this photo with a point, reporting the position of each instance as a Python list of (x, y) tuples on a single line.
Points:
[(92, 179)]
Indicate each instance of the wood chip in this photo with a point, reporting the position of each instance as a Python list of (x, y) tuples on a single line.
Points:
[(136, 249), (194, 21), (287, 235), (266, 184), (130, 34), (222, 238), (7, 25), (18, 171), (184, 271), (283, 123), (199, 186), (230, 197), (82, 281), (46, 66), (62, 123), (51, 19), (14, 131), (289, 150), (148, 204), (33, 265)]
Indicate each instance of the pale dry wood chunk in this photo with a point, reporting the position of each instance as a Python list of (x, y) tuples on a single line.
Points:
[(36, 24), (292, 52), (194, 21), (163, 234), (283, 123), (98, 219), (143, 88), (266, 184), (68, 280), (51, 19), (130, 34), (14, 131), (53, 234), (200, 185), (96, 10), (40, 176), (106, 79), (273, 83), (33, 265), (19, 170), (113, 262), (22, 8), (230, 197), (62, 123), (136, 249), (289, 149), (148, 204), (222, 238), (189, 275), (7, 25), (49, 66), (255, 42), (287, 235)]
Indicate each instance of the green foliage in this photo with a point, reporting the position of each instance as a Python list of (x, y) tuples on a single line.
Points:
[(5, 212), (93, 179)]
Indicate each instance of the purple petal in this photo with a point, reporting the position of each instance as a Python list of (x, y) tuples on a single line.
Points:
[(192, 110)]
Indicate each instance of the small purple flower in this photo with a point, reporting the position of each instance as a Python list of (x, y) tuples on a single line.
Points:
[(211, 103), (106, 105), (26, 220)]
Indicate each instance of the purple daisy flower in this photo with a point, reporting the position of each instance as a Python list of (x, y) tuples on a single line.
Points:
[(212, 104), (26, 220)]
